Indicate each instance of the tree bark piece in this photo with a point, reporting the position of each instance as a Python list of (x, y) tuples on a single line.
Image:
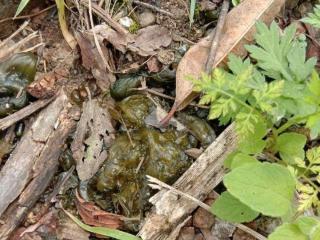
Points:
[(198, 181), (31, 168), (18, 170)]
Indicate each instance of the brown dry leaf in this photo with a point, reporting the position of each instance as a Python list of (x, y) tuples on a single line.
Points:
[(94, 132), (92, 215), (119, 41), (92, 60), (150, 39), (145, 43), (239, 30), (45, 85)]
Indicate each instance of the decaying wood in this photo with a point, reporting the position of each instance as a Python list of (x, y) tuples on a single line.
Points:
[(17, 171), (23, 113), (31, 168), (198, 181)]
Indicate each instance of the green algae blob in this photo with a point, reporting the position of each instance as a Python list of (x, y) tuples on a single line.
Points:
[(15, 74)]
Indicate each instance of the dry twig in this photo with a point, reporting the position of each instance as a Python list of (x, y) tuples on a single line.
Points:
[(29, 15), (23, 113), (217, 35)]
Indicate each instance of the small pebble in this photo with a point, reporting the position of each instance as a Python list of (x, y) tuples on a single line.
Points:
[(187, 233), (126, 22)]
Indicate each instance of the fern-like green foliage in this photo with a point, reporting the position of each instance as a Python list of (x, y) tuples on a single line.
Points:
[(242, 95), (272, 89), (313, 18), (265, 97)]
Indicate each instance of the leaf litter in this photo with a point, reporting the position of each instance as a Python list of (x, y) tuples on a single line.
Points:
[(95, 131)]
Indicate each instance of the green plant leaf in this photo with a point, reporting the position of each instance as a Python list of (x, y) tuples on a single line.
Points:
[(313, 18), (290, 147), (242, 159), (108, 232), (264, 187), (22, 5), (307, 224), (287, 231), (192, 11), (228, 208), (253, 143), (315, 234)]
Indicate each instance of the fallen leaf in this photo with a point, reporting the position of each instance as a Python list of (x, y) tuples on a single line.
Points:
[(94, 132), (44, 85), (93, 215), (118, 41), (145, 43), (92, 60), (150, 39), (239, 30)]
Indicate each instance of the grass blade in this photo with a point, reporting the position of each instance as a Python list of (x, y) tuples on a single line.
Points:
[(108, 232), (192, 11), (21, 6)]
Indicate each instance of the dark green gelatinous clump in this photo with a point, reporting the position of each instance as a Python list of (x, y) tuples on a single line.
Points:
[(123, 87), (198, 127), (135, 109), (151, 152), (15, 74)]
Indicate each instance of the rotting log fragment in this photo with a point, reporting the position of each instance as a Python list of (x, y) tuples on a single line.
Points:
[(30, 168), (198, 181)]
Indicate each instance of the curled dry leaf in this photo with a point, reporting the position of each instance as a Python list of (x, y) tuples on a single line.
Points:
[(239, 30), (94, 132), (92, 60), (94, 216)]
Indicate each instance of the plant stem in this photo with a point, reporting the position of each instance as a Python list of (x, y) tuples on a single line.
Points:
[(293, 121)]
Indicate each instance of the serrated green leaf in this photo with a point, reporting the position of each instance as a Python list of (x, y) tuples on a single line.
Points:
[(313, 18), (287, 231), (290, 146), (242, 159), (228, 208), (313, 155), (272, 50), (298, 65), (264, 187), (22, 5)]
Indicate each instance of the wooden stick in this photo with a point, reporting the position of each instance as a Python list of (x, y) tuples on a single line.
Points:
[(157, 184), (216, 39), (28, 16), (106, 17), (23, 113)]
